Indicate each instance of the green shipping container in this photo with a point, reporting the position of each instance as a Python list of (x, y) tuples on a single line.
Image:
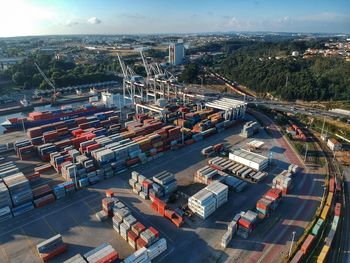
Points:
[(315, 229), (320, 222)]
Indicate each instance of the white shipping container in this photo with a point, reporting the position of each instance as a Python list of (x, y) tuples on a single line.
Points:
[(139, 256), (226, 238), (157, 248)]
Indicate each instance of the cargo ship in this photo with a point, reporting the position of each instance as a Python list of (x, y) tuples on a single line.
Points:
[(38, 118)]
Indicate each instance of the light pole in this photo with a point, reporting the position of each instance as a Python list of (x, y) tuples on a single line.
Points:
[(291, 244)]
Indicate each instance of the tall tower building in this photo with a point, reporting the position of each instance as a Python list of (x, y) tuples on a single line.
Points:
[(176, 53)]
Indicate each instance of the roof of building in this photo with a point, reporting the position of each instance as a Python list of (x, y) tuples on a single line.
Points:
[(334, 141), (253, 157), (256, 144), (225, 104)]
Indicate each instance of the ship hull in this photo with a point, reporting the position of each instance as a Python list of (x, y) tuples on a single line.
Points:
[(10, 127)]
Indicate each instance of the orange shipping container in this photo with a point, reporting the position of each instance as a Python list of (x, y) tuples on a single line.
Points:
[(307, 243)]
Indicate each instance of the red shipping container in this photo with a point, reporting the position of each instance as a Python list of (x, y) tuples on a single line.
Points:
[(132, 161), (331, 185), (245, 223), (337, 209), (44, 201), (140, 243), (57, 251), (138, 228), (177, 221), (154, 206), (298, 257), (112, 257), (146, 184), (168, 213), (154, 231), (273, 193), (77, 132), (41, 191), (109, 193), (33, 176), (43, 168), (92, 147), (307, 244), (133, 236)]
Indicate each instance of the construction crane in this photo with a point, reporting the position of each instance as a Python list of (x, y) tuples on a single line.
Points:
[(145, 64), (53, 98), (123, 66), (46, 78), (133, 84)]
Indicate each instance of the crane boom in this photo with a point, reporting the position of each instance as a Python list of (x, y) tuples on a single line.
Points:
[(46, 78), (147, 68), (122, 65)]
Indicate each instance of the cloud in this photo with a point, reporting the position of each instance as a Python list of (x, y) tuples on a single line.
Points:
[(71, 23), (94, 21)]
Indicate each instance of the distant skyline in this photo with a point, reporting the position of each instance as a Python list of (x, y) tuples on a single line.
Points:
[(55, 17)]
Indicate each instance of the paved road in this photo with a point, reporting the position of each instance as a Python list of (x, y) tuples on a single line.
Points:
[(296, 219)]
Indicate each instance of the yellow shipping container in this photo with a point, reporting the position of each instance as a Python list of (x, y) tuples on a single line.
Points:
[(325, 212), (324, 252), (329, 199)]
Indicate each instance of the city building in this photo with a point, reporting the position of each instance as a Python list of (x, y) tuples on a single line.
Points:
[(176, 53), (5, 63), (255, 161)]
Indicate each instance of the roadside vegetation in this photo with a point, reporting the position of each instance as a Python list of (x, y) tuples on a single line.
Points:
[(24, 74), (269, 69)]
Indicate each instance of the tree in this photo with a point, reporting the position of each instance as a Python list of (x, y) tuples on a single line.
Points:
[(19, 78), (190, 73)]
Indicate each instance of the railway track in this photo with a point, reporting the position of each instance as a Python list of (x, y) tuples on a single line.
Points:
[(338, 251)]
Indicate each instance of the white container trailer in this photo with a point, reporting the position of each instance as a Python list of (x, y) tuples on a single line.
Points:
[(253, 160)]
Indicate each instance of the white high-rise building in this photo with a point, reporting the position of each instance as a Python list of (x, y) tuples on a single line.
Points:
[(176, 53)]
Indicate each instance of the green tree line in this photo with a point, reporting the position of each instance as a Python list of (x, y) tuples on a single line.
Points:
[(62, 73), (254, 65)]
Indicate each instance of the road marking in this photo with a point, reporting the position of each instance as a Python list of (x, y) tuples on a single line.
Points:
[(48, 224)]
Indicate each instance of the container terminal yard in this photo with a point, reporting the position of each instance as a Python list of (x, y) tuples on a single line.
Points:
[(176, 177)]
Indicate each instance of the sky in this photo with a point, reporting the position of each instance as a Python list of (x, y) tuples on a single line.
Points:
[(53, 17)]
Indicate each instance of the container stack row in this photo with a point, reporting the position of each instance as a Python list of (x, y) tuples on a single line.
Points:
[(51, 248), (236, 169), (231, 230), (207, 200), (247, 223), (207, 175), (102, 254), (283, 181), (269, 202)]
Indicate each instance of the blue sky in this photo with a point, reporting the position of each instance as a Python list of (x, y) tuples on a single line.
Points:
[(40, 17)]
